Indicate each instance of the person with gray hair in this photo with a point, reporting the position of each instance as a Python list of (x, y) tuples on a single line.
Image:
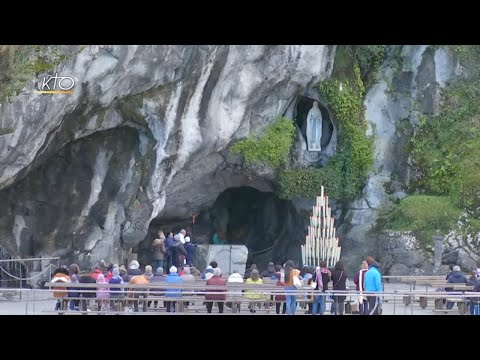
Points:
[(173, 293), (157, 279), (134, 269), (218, 295), (189, 279), (235, 277), (456, 277)]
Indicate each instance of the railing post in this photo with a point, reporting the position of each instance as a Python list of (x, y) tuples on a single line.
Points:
[(437, 240), (34, 292), (394, 301), (26, 304), (20, 280)]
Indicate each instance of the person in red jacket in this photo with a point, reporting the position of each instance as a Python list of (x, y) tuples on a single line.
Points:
[(210, 297)]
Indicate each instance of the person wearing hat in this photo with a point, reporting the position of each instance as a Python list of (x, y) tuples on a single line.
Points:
[(456, 277), (143, 279), (373, 283), (173, 278)]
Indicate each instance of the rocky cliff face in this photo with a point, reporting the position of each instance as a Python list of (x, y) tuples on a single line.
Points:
[(143, 142), (143, 137), (408, 85)]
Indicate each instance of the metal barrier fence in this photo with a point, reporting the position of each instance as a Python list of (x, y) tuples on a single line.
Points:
[(41, 301), (20, 267)]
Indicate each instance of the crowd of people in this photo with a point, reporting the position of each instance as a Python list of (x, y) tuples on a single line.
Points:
[(287, 276), (456, 276), (177, 250), (174, 263)]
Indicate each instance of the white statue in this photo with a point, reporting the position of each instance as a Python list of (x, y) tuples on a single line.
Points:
[(314, 128)]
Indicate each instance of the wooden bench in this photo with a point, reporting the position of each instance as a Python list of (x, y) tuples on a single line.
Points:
[(194, 291)]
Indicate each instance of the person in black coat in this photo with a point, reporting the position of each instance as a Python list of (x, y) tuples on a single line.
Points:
[(455, 277), (339, 279), (86, 296)]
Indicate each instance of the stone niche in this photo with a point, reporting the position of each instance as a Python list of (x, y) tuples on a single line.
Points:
[(299, 112)]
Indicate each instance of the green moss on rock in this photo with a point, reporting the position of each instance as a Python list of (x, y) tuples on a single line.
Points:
[(271, 148)]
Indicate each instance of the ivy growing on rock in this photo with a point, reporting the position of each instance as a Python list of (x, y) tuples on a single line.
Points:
[(445, 150), (444, 193), (346, 171), (271, 148), (18, 63)]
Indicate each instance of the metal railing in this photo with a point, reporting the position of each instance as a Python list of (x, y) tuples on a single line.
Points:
[(22, 264), (38, 301)]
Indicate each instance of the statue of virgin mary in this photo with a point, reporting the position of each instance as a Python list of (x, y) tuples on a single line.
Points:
[(314, 128)]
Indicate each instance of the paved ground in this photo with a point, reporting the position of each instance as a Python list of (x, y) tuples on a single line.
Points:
[(40, 302)]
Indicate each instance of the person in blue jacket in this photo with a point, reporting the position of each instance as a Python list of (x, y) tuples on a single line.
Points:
[(373, 283), (173, 278)]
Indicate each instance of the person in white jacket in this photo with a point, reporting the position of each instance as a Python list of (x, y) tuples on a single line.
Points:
[(235, 277)]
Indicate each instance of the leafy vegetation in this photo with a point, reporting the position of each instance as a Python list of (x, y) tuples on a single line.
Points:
[(271, 148), (4, 131), (445, 149), (20, 63), (445, 159), (424, 215), (370, 58)]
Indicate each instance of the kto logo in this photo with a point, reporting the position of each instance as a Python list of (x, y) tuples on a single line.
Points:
[(59, 85)]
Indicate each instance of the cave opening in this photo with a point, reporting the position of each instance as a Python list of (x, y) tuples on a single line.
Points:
[(304, 104), (237, 217), (271, 228)]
